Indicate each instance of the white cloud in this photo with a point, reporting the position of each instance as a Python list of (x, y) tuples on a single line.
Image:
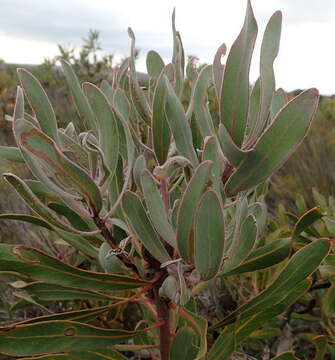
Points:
[(31, 30)]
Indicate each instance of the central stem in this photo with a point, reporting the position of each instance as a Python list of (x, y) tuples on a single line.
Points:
[(163, 313)]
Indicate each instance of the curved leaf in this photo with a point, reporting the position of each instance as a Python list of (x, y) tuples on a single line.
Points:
[(277, 143), (302, 264), (40, 103), (263, 257), (199, 102), (27, 218), (83, 107), (242, 248), (46, 150), (234, 154), (234, 100), (269, 51), (306, 220), (218, 69)]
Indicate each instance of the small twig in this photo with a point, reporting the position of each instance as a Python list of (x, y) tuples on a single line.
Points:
[(324, 285), (108, 236)]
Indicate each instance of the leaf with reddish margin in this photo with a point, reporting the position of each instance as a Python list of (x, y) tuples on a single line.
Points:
[(276, 144), (234, 100)]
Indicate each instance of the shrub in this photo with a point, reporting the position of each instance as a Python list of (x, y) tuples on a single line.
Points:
[(155, 202)]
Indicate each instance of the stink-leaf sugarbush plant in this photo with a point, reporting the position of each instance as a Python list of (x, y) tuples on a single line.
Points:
[(155, 201)]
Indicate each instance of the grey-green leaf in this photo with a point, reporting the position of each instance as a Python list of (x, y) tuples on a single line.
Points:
[(234, 100), (156, 208), (185, 233), (83, 107), (142, 227), (39, 102), (276, 144), (179, 126), (209, 235)]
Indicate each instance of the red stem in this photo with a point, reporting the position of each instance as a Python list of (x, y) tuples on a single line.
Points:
[(164, 330)]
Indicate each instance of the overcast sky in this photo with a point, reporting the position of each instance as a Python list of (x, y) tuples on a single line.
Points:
[(30, 31)]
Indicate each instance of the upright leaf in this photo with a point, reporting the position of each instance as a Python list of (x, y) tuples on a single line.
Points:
[(107, 125), (209, 235), (234, 100), (40, 103), (155, 64), (83, 107), (218, 69), (269, 51), (161, 134), (179, 126), (199, 102), (185, 232), (142, 227), (245, 244), (279, 100), (157, 209)]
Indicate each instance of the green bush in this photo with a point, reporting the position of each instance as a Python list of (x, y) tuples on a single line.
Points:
[(151, 203)]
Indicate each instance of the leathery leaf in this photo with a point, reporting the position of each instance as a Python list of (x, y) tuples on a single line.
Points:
[(243, 247), (235, 90), (40, 103), (33, 201), (209, 235), (58, 335), (263, 257), (276, 144), (269, 51), (107, 125), (43, 267), (156, 208), (155, 63), (46, 150), (302, 264), (179, 126), (11, 153), (200, 100), (100, 354), (200, 180), (199, 326), (84, 109), (161, 134), (142, 227)]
